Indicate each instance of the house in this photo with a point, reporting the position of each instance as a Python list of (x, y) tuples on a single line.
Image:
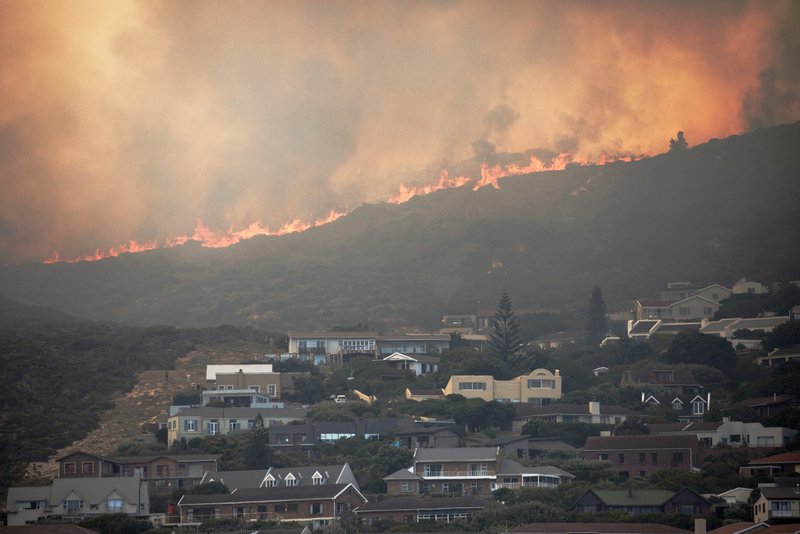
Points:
[(597, 528), (458, 324), (650, 309), (749, 287), (420, 343), (317, 505), (714, 292), (421, 394), (539, 387), (193, 422), (74, 499), (672, 381), (677, 291), (779, 356), (468, 470), (769, 406), (26, 505), (777, 504), (527, 447), (413, 509), (419, 364), (590, 412), (166, 471), (727, 432), (743, 331), (737, 495), (642, 455), (330, 347), (691, 308), (82, 464), (298, 438), (556, 340), (642, 329), (413, 438), (787, 463), (640, 501), (242, 381)]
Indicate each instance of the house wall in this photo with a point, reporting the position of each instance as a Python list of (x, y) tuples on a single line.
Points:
[(518, 389), (763, 509), (266, 382), (643, 461), (402, 487), (80, 465), (715, 293), (694, 308)]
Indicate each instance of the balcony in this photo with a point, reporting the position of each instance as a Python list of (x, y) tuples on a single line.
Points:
[(528, 484), (460, 473)]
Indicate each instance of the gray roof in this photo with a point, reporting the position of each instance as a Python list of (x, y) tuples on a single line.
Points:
[(781, 493), (718, 326), (236, 479), (512, 467), (304, 475), (338, 334), (96, 490), (456, 454), (423, 503), (403, 474), (600, 528), (279, 493), (643, 327), (759, 323)]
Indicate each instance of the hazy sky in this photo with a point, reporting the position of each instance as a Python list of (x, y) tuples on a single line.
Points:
[(124, 120)]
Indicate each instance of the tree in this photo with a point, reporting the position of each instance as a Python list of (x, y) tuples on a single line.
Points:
[(704, 349), (678, 144), (596, 321), (504, 339)]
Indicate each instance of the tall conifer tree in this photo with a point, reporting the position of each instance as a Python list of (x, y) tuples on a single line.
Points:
[(504, 339), (596, 322)]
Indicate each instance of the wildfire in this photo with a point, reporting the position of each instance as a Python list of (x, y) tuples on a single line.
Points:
[(490, 175), (445, 182)]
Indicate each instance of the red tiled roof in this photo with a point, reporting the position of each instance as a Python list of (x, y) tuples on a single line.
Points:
[(783, 458), (600, 528)]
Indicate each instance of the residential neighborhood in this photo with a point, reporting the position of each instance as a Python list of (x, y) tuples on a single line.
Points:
[(379, 431)]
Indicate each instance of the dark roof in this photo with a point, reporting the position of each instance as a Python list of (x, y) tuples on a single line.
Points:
[(781, 493), (787, 351), (558, 336), (430, 392), (653, 303), (600, 528), (455, 454), (649, 376), (601, 443), (783, 458), (422, 431), (177, 458), (403, 474), (394, 504), (278, 493), (674, 328), (643, 327), (767, 401)]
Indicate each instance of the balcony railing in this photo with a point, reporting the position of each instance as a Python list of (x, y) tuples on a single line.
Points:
[(459, 473), (526, 484)]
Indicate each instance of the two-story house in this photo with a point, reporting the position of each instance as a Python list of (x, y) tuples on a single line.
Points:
[(468, 471), (639, 501), (728, 433), (419, 364), (642, 455), (590, 413), (192, 422), (540, 387), (233, 380), (317, 505), (777, 504), (273, 477)]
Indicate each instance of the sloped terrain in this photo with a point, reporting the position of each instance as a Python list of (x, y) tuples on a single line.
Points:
[(714, 213)]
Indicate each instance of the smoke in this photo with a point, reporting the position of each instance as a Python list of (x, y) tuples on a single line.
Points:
[(132, 120)]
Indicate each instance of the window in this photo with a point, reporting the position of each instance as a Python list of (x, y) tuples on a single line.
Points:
[(707, 312), (445, 487), (291, 507), (405, 487), (698, 407), (251, 424), (212, 427), (472, 385), (654, 458), (316, 479), (736, 438), (190, 425), (477, 470), (72, 506), (677, 405), (290, 480), (677, 458), (271, 390), (315, 508), (69, 468), (602, 456), (238, 511), (535, 383), (684, 312), (475, 487), (621, 457), (432, 470), (270, 482), (280, 508), (715, 296), (114, 505), (254, 388), (642, 458), (284, 438), (234, 425), (87, 468)]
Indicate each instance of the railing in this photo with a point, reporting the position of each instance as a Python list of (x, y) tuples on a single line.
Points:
[(526, 484), (460, 473)]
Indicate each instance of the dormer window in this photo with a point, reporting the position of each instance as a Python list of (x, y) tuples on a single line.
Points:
[(317, 479), (677, 404), (270, 481), (698, 407), (291, 480)]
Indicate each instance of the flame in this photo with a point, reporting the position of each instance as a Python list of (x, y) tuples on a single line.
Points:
[(490, 175), (445, 182)]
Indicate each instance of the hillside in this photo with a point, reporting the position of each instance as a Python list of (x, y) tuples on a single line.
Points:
[(714, 213)]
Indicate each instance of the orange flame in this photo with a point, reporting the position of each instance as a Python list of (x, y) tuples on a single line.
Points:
[(490, 175), (445, 182)]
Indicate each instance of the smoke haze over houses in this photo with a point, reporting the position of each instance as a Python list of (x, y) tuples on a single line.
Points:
[(135, 120)]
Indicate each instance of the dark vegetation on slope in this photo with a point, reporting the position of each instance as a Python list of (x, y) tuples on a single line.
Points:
[(710, 214), (59, 372)]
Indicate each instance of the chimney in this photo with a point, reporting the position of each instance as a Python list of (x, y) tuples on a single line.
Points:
[(594, 408), (558, 373), (699, 526)]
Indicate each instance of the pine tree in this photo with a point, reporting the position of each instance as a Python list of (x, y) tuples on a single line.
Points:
[(596, 322), (678, 144), (504, 338)]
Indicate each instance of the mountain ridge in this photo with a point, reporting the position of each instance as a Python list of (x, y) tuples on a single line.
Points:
[(713, 213)]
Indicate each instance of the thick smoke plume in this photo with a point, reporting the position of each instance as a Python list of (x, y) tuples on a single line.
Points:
[(133, 120)]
